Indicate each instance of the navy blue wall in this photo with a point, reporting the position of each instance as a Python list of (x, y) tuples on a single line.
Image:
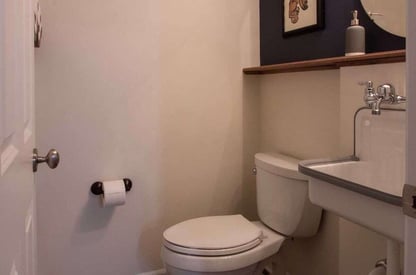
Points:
[(328, 42)]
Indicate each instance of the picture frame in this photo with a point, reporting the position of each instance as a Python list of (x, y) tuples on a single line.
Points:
[(301, 16)]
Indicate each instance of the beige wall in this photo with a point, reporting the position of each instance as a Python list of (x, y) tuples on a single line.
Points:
[(309, 115), (360, 248), (153, 90), (150, 90), (299, 114)]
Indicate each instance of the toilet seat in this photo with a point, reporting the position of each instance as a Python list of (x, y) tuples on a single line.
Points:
[(270, 244), (213, 236), (212, 252)]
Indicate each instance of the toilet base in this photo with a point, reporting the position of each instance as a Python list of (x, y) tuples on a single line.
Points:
[(249, 270), (254, 269)]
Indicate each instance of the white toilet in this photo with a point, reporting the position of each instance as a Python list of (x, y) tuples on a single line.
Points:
[(232, 244)]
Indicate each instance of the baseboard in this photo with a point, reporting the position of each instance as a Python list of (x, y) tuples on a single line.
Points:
[(154, 272)]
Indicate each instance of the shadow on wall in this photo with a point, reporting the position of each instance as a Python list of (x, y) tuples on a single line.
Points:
[(149, 245), (311, 252), (90, 226), (207, 121), (299, 117), (92, 211), (224, 185), (251, 143), (163, 98)]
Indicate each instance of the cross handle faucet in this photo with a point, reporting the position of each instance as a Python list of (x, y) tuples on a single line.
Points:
[(385, 93)]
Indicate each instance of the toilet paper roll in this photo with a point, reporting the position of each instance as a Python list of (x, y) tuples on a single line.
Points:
[(381, 270), (114, 193)]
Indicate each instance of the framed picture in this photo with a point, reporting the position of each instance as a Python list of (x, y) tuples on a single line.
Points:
[(301, 16)]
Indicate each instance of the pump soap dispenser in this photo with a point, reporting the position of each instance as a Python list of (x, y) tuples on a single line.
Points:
[(355, 37)]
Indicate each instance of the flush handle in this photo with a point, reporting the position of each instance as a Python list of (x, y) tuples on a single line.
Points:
[(51, 159)]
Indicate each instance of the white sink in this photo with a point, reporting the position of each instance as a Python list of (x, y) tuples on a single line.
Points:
[(367, 191), (338, 190)]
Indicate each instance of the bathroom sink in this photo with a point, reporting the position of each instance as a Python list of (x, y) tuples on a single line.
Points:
[(367, 187), (353, 190)]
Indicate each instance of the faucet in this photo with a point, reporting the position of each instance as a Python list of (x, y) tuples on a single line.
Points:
[(385, 93)]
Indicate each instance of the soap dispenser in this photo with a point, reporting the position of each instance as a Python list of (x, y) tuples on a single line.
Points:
[(355, 37)]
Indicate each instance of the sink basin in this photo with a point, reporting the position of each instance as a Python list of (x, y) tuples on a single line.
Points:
[(349, 189), (366, 188)]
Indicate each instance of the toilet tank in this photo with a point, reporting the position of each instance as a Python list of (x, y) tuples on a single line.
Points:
[(282, 196)]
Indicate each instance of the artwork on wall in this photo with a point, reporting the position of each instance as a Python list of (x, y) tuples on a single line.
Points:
[(301, 16)]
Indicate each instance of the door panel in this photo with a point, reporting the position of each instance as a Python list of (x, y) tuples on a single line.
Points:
[(410, 223), (17, 199)]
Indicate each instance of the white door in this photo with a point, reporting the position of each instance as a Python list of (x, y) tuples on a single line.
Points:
[(17, 217), (410, 223)]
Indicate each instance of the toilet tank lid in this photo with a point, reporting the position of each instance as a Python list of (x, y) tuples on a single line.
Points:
[(279, 164)]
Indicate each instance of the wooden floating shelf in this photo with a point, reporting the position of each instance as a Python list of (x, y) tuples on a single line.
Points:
[(330, 63)]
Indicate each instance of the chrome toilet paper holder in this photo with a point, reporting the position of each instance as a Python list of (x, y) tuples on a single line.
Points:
[(97, 187)]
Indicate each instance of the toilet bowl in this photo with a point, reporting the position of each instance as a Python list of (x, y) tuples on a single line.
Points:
[(224, 259), (233, 245)]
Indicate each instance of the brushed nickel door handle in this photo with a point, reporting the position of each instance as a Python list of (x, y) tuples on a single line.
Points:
[(51, 159)]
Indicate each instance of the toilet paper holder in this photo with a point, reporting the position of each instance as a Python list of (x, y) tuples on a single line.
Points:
[(97, 187)]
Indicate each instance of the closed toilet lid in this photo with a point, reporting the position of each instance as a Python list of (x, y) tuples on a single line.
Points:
[(216, 235)]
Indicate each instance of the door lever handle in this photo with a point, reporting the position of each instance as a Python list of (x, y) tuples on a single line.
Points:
[(51, 159)]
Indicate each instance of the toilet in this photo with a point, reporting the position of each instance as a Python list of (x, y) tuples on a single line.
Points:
[(231, 244)]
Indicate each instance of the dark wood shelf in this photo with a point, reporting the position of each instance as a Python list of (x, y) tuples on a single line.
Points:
[(330, 63)]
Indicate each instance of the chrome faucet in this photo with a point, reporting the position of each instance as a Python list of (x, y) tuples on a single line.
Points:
[(385, 93)]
